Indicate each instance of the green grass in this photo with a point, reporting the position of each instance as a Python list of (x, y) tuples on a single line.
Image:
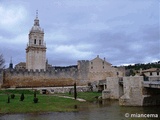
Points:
[(45, 104)]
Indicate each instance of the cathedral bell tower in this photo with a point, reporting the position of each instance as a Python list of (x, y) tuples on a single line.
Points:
[(36, 48)]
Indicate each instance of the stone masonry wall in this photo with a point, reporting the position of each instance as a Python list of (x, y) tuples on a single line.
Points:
[(83, 70), (132, 91), (113, 90), (39, 78)]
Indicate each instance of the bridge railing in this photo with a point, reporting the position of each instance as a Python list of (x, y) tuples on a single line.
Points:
[(151, 84)]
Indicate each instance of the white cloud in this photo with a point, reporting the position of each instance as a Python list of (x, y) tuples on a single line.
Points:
[(21, 39), (78, 51), (76, 30), (11, 16)]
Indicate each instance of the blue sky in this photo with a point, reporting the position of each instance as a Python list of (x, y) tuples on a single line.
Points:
[(122, 31)]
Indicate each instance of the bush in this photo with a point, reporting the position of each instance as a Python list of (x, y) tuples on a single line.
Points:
[(22, 97), (35, 100), (12, 96)]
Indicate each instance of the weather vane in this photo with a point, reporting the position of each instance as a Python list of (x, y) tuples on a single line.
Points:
[(36, 13)]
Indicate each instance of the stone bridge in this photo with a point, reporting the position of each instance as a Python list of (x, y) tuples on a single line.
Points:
[(133, 91), (151, 84)]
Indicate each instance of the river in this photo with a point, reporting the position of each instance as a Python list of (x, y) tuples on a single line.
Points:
[(104, 110)]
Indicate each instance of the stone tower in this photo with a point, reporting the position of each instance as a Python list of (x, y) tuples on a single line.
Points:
[(36, 48)]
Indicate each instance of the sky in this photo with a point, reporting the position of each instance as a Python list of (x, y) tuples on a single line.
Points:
[(121, 31)]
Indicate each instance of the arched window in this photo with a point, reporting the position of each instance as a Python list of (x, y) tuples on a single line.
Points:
[(34, 41)]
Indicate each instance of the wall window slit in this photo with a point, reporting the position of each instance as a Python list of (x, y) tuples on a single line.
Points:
[(39, 42), (34, 41)]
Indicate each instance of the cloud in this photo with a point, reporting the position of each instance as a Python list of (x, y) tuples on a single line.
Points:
[(123, 32), (11, 17)]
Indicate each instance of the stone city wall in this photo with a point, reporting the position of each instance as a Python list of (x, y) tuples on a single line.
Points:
[(70, 89), (83, 70), (93, 76), (57, 76), (39, 78)]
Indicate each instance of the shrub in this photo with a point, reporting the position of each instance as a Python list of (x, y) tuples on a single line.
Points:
[(22, 97), (12, 96), (70, 91), (35, 100)]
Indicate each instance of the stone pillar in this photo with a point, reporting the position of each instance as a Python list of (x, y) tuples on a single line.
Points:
[(112, 90), (104, 86), (133, 95)]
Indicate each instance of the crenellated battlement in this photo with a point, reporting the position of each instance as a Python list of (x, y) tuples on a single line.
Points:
[(83, 61), (40, 78), (55, 71)]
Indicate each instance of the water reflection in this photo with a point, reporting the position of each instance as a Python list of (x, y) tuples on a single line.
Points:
[(98, 110)]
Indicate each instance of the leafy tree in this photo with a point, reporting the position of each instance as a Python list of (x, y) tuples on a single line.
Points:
[(2, 61), (132, 72)]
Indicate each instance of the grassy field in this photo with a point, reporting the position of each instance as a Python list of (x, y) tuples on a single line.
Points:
[(46, 103)]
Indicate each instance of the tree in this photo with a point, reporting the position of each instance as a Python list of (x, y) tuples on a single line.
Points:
[(2, 61), (35, 93), (22, 97), (8, 100), (75, 91)]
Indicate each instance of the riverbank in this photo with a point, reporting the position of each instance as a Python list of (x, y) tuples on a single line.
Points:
[(46, 103)]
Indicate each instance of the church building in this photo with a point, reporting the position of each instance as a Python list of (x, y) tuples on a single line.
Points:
[(36, 48), (36, 72)]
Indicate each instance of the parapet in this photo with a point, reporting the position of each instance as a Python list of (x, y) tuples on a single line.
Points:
[(83, 61)]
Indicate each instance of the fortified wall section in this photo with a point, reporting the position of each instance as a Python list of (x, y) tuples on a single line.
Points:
[(37, 78), (56, 76), (83, 71)]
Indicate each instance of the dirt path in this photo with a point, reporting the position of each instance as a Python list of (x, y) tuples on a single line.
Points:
[(79, 99)]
